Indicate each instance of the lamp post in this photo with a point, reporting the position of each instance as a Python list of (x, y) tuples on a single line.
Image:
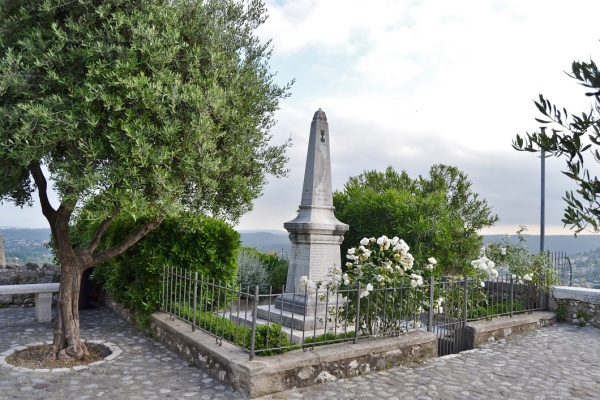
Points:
[(542, 194)]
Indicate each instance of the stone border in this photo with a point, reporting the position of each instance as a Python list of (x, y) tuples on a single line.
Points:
[(581, 305), (115, 352), (294, 369), (483, 331)]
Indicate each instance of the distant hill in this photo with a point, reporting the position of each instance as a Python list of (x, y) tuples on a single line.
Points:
[(267, 241), (42, 234), (23, 245), (567, 243), (19, 239)]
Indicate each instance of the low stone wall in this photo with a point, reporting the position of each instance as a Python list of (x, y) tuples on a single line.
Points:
[(293, 369), (580, 306), (24, 274), (480, 332), (299, 368)]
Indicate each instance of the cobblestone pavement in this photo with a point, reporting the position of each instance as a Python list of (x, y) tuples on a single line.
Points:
[(145, 369), (558, 362)]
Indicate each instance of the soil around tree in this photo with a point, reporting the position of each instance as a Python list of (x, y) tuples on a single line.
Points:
[(35, 357)]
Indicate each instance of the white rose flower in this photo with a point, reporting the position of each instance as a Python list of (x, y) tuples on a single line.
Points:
[(364, 241)]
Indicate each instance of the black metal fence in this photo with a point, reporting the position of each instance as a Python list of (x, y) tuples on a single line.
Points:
[(562, 265), (265, 324)]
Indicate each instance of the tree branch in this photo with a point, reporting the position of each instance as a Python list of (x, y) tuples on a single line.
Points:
[(98, 235), (42, 186), (127, 243)]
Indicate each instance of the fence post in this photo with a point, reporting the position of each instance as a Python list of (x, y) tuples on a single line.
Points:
[(254, 316), (512, 285), (430, 316), (356, 323), (195, 300), (465, 299)]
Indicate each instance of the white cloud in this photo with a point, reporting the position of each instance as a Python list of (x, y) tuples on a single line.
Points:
[(416, 83)]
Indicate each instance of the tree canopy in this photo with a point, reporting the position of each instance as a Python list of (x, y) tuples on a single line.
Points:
[(573, 137), (136, 107), (437, 216)]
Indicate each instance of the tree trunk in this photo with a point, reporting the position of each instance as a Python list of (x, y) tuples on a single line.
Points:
[(67, 343)]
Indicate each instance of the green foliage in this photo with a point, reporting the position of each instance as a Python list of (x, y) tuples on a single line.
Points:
[(576, 138), (269, 337), (380, 286), (561, 312), (279, 273), (197, 243), (525, 265), (437, 215), (583, 317), (139, 106), (252, 271), (328, 338), (268, 271), (135, 111), (495, 309)]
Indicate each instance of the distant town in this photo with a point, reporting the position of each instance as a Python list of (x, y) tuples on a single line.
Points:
[(30, 245)]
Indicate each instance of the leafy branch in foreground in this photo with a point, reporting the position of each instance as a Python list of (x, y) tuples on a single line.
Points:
[(575, 138)]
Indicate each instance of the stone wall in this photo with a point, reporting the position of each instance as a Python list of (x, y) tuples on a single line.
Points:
[(580, 306), (23, 274)]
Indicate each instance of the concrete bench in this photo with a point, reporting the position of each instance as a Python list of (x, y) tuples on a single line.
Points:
[(43, 297)]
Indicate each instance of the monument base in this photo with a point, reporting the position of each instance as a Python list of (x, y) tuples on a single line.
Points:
[(300, 304)]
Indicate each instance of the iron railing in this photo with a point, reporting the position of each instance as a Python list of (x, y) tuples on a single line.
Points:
[(562, 265), (270, 323)]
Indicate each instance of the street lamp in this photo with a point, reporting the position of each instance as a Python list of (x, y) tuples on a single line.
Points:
[(542, 194)]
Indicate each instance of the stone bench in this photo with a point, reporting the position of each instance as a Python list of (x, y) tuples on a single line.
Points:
[(43, 297)]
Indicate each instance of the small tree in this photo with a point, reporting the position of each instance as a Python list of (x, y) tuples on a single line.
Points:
[(439, 214), (572, 137), (132, 107)]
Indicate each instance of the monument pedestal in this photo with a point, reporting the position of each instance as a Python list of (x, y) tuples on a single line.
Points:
[(304, 316)]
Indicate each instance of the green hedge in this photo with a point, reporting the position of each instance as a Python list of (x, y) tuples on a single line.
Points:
[(191, 241)]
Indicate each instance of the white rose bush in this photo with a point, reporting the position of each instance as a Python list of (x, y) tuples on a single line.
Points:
[(524, 266), (382, 290), (382, 283)]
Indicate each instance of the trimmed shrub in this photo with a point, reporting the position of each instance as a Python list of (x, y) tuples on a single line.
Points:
[(261, 269), (191, 241)]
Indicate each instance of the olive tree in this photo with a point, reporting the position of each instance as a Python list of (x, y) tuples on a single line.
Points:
[(132, 107), (437, 215), (573, 137)]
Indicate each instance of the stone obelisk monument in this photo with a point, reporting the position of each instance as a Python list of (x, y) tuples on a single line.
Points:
[(315, 233)]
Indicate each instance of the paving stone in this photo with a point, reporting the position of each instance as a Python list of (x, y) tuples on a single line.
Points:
[(557, 362)]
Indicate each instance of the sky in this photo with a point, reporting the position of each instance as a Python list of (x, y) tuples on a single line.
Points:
[(411, 84)]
